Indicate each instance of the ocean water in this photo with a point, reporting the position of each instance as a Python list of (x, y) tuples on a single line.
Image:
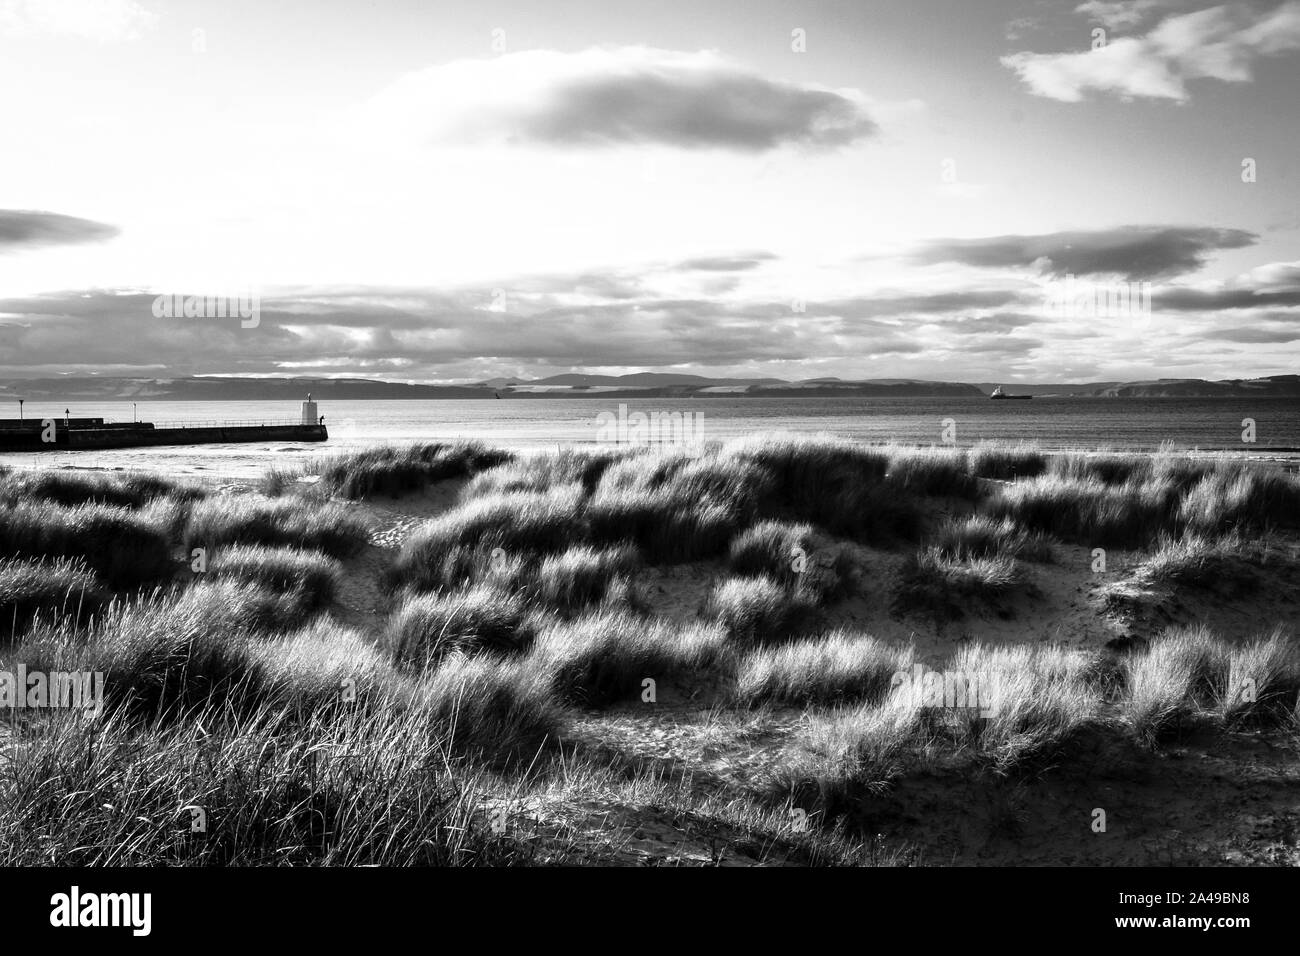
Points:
[(1205, 424)]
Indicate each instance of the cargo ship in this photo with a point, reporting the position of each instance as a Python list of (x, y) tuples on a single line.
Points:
[(71, 434), (998, 393)]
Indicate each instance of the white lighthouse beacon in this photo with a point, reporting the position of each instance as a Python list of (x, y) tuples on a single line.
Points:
[(309, 411)]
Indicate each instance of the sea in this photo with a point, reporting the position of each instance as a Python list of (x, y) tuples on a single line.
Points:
[(1258, 427)]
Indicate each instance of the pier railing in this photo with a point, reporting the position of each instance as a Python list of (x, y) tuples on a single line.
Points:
[(222, 423)]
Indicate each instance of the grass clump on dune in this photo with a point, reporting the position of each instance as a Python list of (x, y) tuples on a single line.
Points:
[(757, 610), (517, 527), (1088, 511), (171, 651), (428, 627), (1243, 499), (835, 484), (309, 577), (1191, 678), (934, 472), (367, 789), (582, 576), (52, 589), (607, 655), (68, 489), (1006, 462), (943, 583), (979, 536), (503, 711), (542, 471), (796, 556), (289, 522), (395, 470), (126, 548), (838, 667)]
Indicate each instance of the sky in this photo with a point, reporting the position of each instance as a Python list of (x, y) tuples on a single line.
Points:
[(476, 189)]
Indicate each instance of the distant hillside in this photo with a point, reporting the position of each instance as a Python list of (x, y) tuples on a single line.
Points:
[(1273, 386), (93, 388)]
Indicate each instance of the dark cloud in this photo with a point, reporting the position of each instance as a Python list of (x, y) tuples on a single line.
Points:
[(738, 263), (613, 97), (24, 229), (421, 333), (1000, 324), (1135, 252), (1259, 336), (727, 108)]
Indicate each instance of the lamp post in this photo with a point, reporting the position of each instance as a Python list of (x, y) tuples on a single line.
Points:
[(135, 417), (20, 409)]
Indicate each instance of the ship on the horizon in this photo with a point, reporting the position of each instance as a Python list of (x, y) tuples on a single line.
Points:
[(998, 393)]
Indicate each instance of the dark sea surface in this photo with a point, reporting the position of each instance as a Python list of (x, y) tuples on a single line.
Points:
[(1053, 423)]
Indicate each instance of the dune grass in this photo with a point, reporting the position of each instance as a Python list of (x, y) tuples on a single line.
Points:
[(428, 627), (49, 589), (757, 610), (288, 522), (1005, 462), (1191, 678), (73, 488), (934, 472), (575, 579), (979, 536), (309, 578), (948, 584), (392, 470), (126, 548), (609, 654), (367, 789), (836, 668)]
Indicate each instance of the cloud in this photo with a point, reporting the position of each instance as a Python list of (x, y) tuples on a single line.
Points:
[(1220, 43), (1276, 285), (736, 263), (21, 229), (1119, 14), (1135, 252), (617, 96), (107, 21)]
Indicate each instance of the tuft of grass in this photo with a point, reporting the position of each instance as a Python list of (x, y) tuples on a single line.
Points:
[(836, 668), (1006, 462), (516, 527), (309, 578), (126, 548), (758, 609), (545, 470), (932, 579), (1107, 468), (29, 589), (367, 789), (1173, 684), (835, 484), (428, 627), (1087, 510), (606, 655), (582, 576), (395, 470), (934, 472), (1241, 498), (1028, 702), (1263, 681), (979, 536), (501, 711), (69, 488), (286, 522)]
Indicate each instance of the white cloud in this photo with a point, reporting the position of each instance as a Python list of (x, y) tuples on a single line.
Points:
[(618, 96), (1220, 43), (107, 21)]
